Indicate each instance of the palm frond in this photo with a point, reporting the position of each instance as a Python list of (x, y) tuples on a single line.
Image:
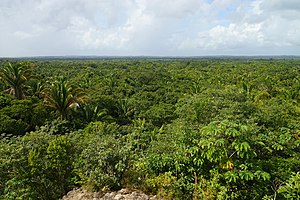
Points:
[(61, 96)]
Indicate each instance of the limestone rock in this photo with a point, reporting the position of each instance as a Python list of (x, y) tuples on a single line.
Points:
[(123, 194)]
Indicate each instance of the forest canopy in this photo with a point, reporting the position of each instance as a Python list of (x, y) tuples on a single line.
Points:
[(210, 128)]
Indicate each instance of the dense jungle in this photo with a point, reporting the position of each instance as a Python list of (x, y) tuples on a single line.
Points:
[(179, 128)]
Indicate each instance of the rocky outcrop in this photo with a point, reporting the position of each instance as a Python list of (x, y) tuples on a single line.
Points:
[(124, 194)]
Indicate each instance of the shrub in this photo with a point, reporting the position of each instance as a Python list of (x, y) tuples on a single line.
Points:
[(291, 190), (36, 166), (103, 161)]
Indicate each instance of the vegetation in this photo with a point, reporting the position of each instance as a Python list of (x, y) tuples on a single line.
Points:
[(61, 97), (178, 128), (15, 76)]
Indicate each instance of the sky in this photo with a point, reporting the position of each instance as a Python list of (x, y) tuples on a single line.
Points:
[(149, 27)]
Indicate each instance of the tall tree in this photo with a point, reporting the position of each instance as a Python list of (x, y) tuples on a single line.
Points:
[(15, 76), (61, 96)]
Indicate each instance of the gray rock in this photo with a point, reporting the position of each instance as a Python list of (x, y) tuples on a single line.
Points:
[(119, 197), (123, 194)]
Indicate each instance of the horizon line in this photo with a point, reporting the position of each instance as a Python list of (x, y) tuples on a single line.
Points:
[(146, 56)]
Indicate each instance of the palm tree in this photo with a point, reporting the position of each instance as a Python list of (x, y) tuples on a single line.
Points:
[(15, 76), (61, 96), (91, 113)]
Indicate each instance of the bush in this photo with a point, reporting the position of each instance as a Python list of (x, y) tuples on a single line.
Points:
[(291, 190), (103, 161), (36, 166)]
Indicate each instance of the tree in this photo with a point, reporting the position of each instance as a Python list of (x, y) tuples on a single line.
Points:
[(61, 96), (34, 162), (15, 75)]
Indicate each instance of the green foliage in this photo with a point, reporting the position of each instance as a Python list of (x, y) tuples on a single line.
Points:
[(160, 114), (213, 188), (20, 116), (12, 126), (291, 189), (15, 76), (91, 113), (226, 146), (179, 128), (4, 101), (163, 185), (61, 97), (102, 163), (57, 127), (36, 166)]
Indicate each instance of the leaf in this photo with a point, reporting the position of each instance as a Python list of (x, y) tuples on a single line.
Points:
[(261, 143), (245, 146), (231, 176), (232, 132), (246, 175), (262, 175), (277, 147), (220, 142), (244, 128)]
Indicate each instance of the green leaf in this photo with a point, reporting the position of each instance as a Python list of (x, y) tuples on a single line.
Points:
[(245, 146), (220, 142), (262, 175), (277, 147), (231, 176), (246, 175), (232, 132)]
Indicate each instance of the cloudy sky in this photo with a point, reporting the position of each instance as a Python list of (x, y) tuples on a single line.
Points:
[(149, 27)]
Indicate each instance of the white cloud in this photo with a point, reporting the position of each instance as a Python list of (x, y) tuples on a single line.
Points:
[(144, 27), (23, 35), (221, 38), (280, 5), (255, 28), (172, 8)]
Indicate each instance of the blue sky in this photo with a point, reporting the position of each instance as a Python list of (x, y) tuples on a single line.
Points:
[(149, 27)]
